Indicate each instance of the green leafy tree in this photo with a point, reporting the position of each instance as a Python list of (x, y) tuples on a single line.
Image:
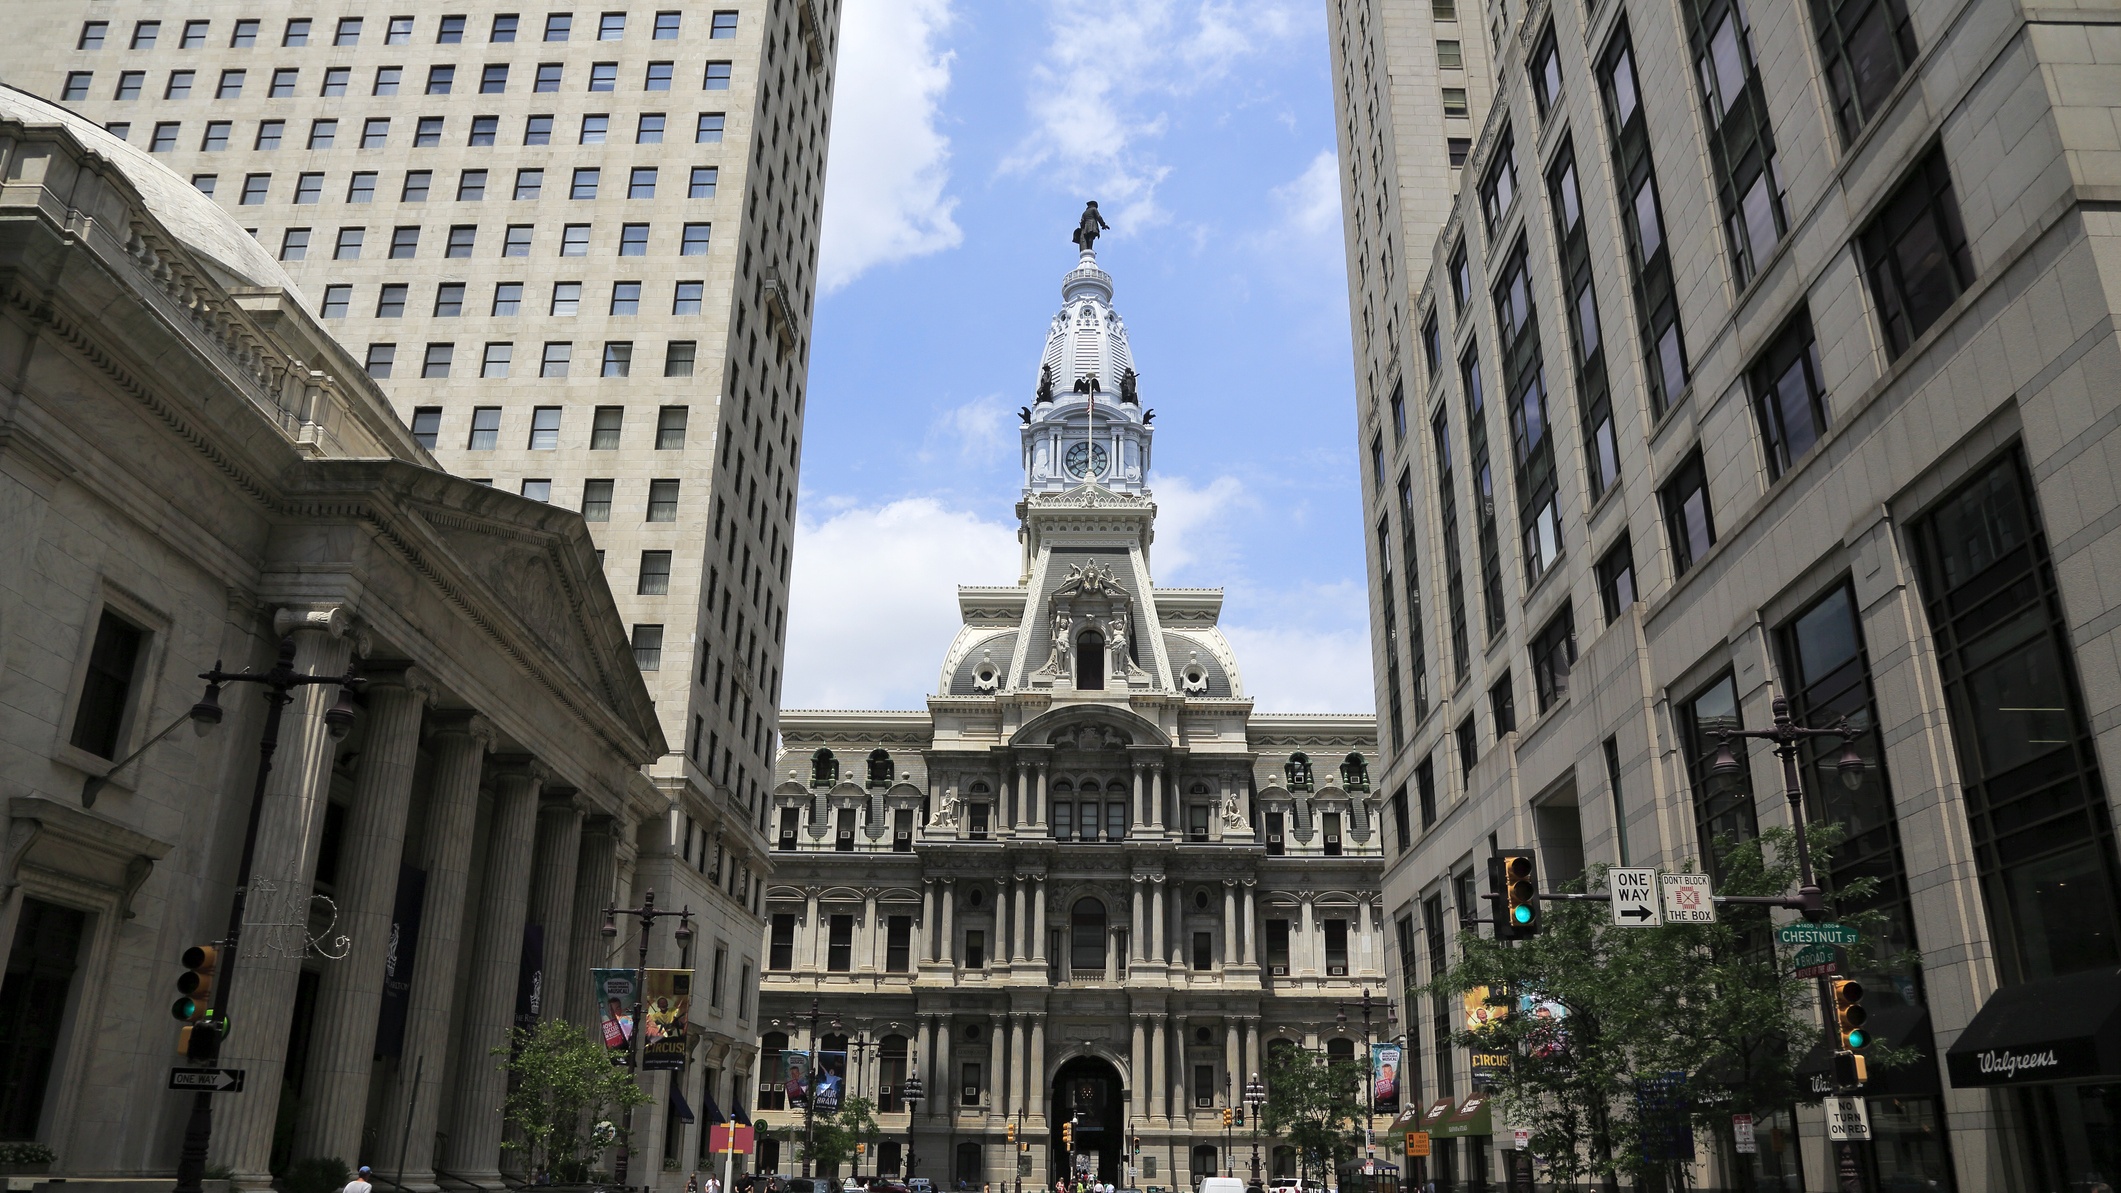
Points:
[(832, 1136), (1315, 1104), (1716, 1003), (561, 1082)]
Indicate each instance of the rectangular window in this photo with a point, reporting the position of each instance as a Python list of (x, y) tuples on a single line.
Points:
[(504, 28), (231, 86), (596, 500), (1580, 314), (322, 133), (709, 130), (1915, 254), (485, 130), (584, 185), (1487, 531), (254, 187), (129, 84), (1425, 789), (1453, 562), (1649, 257), (969, 1084), (380, 359), (427, 133), (558, 354), (494, 365), (1196, 822), (1402, 827), (657, 77), (398, 32), (566, 299), (604, 429), (1616, 580), (780, 950), (1454, 103), (663, 501), (1531, 447), (507, 298), (724, 26), (544, 429), (539, 489), (165, 137), (485, 429), (283, 83), (2043, 839), (685, 298), (529, 183), (1788, 397), (404, 243), (348, 247), (717, 77), (461, 239), (603, 76), (641, 183), (179, 85), (107, 685), (493, 79), (245, 36), (559, 26), (1864, 48), (361, 187), (1502, 705), (975, 948), (517, 241), (1498, 188), (1336, 934), (670, 428), (347, 32), (336, 299), (574, 240), (1553, 654), (548, 77), (618, 358), (612, 27), (215, 138), (596, 129), (436, 363), (145, 33), (387, 80), (1468, 748), (1687, 516), (471, 186), (648, 647), (898, 944), (427, 426), (1450, 55), (194, 35), (375, 132), (1277, 947), (297, 32), (649, 129), (390, 300), (694, 241), (633, 240), (1741, 140), (1545, 72), (625, 298), (655, 574), (1723, 804)]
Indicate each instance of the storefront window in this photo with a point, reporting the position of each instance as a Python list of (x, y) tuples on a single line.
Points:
[(1723, 804), (33, 998)]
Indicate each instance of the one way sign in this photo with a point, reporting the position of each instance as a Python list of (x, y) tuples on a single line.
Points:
[(212, 1081), (1634, 898)]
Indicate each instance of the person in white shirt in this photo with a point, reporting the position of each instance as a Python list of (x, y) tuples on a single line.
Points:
[(360, 1182)]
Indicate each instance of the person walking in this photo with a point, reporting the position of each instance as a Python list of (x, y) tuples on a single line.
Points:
[(360, 1182)]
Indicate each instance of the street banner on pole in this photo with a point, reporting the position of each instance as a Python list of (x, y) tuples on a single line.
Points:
[(530, 978), (1634, 897), (1385, 1061), (831, 1080), (667, 1009), (795, 1075), (615, 989), (400, 952)]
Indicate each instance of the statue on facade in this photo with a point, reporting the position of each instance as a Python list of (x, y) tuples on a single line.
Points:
[(1045, 384), (946, 816), (1087, 230), (1116, 637), (1233, 809), (1128, 392), (1060, 662)]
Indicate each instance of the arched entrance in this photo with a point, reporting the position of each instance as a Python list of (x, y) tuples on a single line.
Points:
[(1088, 1092)]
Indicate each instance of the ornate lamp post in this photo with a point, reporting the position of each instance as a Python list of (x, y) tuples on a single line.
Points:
[(648, 914), (280, 682), (911, 1093), (1255, 1097), (1369, 1075)]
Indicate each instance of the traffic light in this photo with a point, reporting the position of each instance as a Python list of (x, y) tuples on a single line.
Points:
[(1849, 1014), (861, 1149), (1516, 877), (1137, 1145), (1227, 1117), (203, 1027), (1012, 1132), (1850, 1071), (1068, 1136)]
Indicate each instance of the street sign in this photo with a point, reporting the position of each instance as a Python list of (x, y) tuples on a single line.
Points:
[(1521, 1139), (212, 1081), (1742, 1133), (1634, 897), (1847, 1120), (1815, 961), (1687, 899), (1801, 932), (1417, 1143), (729, 1137)]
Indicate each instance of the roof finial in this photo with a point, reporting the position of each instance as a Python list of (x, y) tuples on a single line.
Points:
[(1088, 228)]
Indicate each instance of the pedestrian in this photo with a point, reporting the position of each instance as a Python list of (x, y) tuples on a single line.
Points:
[(714, 1183), (360, 1184)]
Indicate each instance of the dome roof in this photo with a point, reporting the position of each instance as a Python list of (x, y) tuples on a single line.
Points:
[(1087, 337), (195, 220)]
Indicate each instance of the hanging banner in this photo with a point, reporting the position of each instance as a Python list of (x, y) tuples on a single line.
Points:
[(1549, 1037), (795, 1076), (667, 1010), (1384, 1071), (530, 978), (400, 950), (615, 990), (831, 1080)]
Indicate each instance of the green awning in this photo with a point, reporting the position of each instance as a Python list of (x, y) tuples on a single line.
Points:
[(1471, 1118)]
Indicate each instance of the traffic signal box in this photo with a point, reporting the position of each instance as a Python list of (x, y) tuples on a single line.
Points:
[(1227, 1117), (200, 1038), (1514, 877), (1012, 1132), (1068, 1136), (1850, 1071), (1849, 1014)]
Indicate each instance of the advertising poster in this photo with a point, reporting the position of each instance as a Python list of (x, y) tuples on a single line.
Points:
[(400, 951), (795, 1076), (1384, 1071), (1548, 1037), (615, 989), (1481, 1009), (530, 979), (667, 1010), (831, 1080)]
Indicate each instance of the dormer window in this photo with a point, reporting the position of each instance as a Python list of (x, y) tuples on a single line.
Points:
[(1298, 770), (1090, 662), (880, 768), (824, 769), (1354, 773)]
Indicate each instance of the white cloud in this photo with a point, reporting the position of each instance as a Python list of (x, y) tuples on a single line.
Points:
[(970, 434), (1310, 202), (889, 164), (1289, 669), (873, 600), (1101, 96), (1193, 528)]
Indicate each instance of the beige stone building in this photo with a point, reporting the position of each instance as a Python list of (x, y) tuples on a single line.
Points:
[(1088, 882), (1770, 353), (193, 472), (577, 249)]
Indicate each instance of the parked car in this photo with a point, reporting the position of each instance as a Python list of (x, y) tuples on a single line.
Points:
[(920, 1184), (1221, 1184)]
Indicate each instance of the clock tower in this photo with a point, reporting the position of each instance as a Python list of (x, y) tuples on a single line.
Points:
[(1086, 425)]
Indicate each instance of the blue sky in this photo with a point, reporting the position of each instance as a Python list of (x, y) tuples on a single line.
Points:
[(965, 139)]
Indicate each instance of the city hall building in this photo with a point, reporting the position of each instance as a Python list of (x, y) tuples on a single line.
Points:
[(1761, 353), (1087, 883)]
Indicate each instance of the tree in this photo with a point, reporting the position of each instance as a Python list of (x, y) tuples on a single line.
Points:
[(561, 1081), (1586, 1011), (1315, 1104), (833, 1135)]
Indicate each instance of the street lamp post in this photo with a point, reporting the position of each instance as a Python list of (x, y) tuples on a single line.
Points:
[(857, 1046), (1255, 1097), (810, 1095), (911, 1093), (648, 914), (1369, 1084), (279, 681), (1787, 737)]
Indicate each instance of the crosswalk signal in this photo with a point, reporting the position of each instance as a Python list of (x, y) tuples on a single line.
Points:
[(1227, 1117), (1849, 1014), (203, 1027), (1518, 874), (1850, 1071)]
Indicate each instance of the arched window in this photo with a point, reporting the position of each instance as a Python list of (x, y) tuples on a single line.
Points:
[(1298, 768), (890, 1073), (1355, 773), (1086, 936), (1340, 1049), (824, 768), (880, 771), (771, 1045), (1090, 662)]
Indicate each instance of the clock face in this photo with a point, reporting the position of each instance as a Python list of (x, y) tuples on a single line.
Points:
[(1084, 460)]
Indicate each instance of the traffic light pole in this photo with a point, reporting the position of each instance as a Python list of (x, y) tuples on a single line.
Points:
[(279, 682), (648, 915)]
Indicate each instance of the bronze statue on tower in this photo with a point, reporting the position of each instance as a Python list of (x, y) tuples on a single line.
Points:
[(1087, 230)]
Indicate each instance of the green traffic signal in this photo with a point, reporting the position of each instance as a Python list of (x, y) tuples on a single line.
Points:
[(186, 1008), (1858, 1038), (1522, 914)]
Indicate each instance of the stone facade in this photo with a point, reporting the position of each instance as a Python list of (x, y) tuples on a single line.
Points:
[(1751, 362), (194, 472), (1088, 880)]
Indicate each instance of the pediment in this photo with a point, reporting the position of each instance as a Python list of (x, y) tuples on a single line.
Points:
[(524, 578)]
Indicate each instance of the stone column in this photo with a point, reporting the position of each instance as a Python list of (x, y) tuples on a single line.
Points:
[(1139, 803), (1252, 1056), (1156, 792), (596, 872), (1156, 944), (1250, 924), (269, 962), (1038, 918), (1038, 801), (869, 933), (1159, 1053), (1306, 932), (949, 897), (553, 868), (1019, 1064), (1137, 1075), (1229, 950), (1233, 1062), (459, 744), (1135, 941), (496, 958), (928, 943), (1038, 1065), (942, 1088), (997, 1058), (1181, 1102), (342, 1050), (1020, 939), (812, 938)]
